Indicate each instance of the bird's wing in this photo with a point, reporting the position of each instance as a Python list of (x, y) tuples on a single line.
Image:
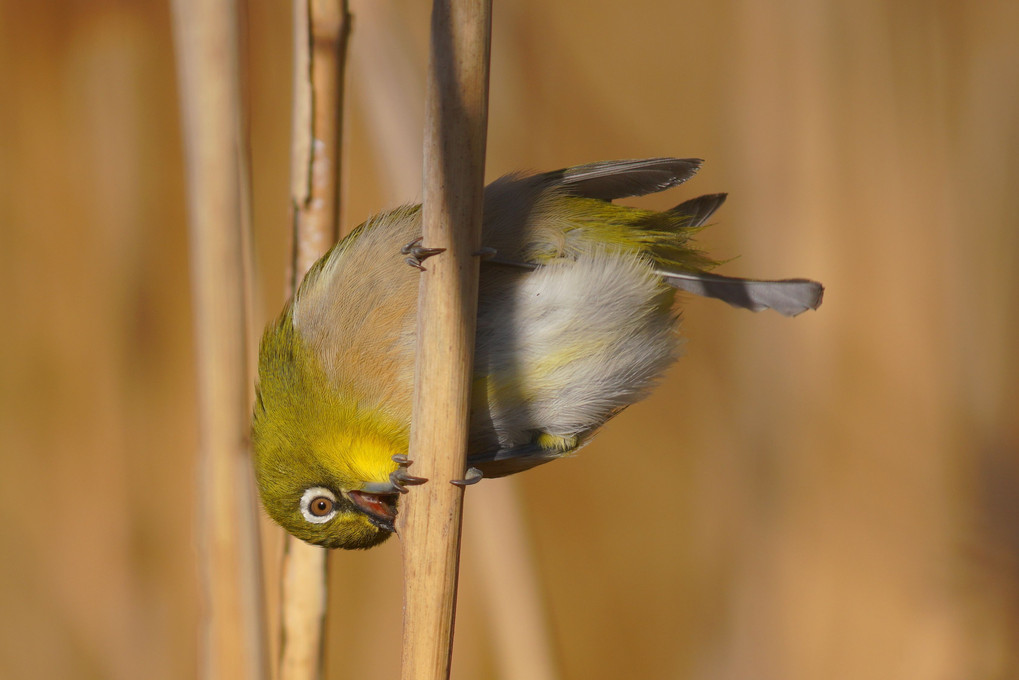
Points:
[(609, 180), (499, 462), (699, 210)]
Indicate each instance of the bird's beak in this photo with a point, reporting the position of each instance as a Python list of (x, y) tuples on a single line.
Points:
[(379, 507)]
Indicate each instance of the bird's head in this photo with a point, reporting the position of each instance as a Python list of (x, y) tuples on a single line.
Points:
[(322, 459)]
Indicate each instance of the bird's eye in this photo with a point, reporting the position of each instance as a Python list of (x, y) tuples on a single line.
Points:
[(318, 504)]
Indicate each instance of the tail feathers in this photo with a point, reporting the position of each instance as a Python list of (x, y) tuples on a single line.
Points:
[(699, 210), (788, 296)]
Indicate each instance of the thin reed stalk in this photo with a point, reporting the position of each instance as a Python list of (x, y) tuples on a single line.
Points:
[(512, 593), (511, 586), (456, 119), (321, 28), (233, 630)]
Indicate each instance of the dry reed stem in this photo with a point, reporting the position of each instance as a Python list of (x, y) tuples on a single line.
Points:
[(511, 585), (233, 628), (321, 28), (456, 119), (512, 592)]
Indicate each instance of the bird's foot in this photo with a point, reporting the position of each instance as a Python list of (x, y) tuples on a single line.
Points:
[(472, 476), (417, 253), (400, 478)]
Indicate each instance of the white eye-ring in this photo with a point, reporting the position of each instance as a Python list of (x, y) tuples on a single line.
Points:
[(318, 505)]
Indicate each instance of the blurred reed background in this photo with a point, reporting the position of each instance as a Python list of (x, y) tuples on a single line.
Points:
[(831, 497)]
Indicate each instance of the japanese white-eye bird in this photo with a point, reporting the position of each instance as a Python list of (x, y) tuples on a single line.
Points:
[(576, 321)]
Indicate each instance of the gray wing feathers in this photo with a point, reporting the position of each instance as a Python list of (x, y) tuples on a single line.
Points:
[(609, 180), (699, 210), (788, 296), (501, 462)]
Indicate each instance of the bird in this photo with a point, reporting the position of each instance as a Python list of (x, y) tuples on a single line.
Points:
[(578, 318)]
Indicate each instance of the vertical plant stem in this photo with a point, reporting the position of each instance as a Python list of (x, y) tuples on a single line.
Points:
[(516, 616), (233, 632), (321, 28), (512, 591), (456, 119)]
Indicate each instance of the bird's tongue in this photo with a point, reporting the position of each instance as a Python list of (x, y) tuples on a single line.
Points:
[(382, 506)]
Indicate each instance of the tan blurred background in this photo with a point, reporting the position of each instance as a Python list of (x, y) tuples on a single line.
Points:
[(835, 496)]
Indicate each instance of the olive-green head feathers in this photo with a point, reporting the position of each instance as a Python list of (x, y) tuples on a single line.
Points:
[(321, 463)]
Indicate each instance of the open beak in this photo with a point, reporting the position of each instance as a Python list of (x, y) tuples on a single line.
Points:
[(380, 508)]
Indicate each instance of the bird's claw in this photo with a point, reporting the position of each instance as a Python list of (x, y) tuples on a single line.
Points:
[(417, 253), (400, 478), (472, 476)]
